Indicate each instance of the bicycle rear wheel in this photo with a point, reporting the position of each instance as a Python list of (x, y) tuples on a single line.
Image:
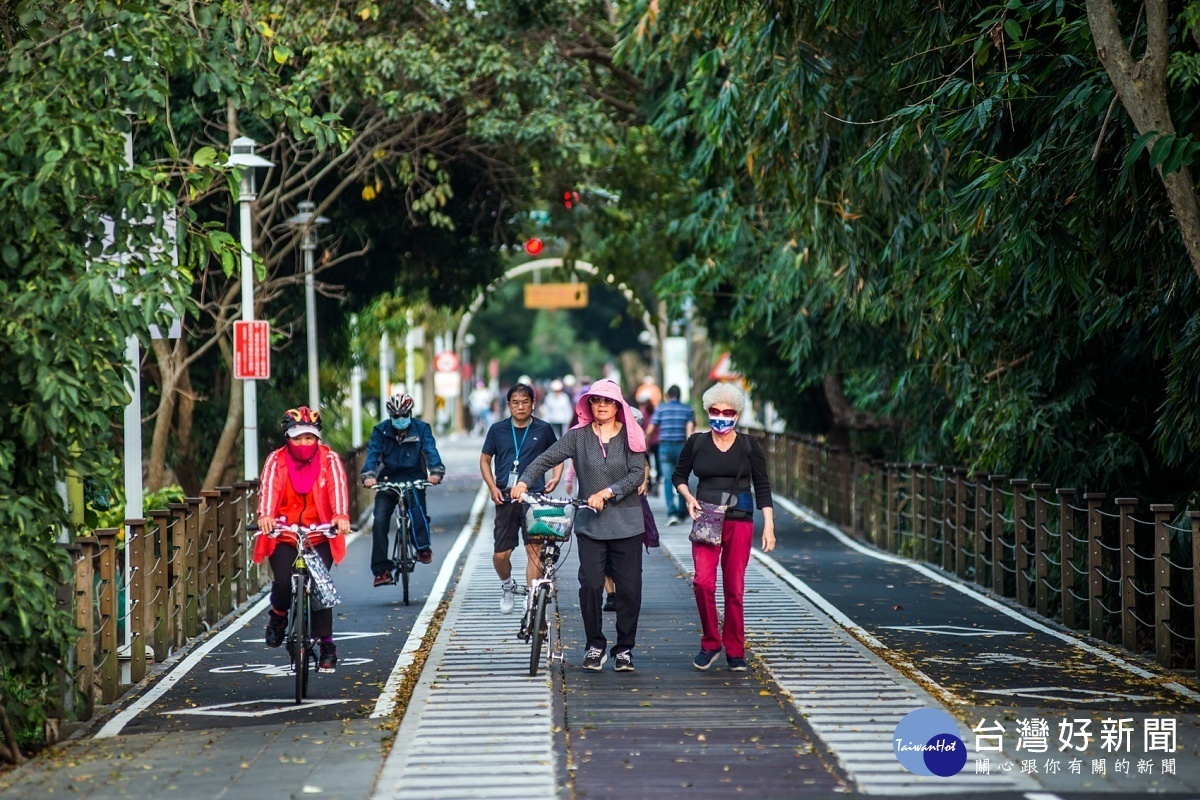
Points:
[(538, 629)]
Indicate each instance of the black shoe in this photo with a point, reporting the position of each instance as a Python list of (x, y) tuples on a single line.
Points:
[(705, 658), (623, 661), (276, 628), (610, 603), (738, 665), (328, 657), (425, 556), (594, 659)]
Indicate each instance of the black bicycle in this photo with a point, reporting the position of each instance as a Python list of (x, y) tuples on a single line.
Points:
[(404, 549), (551, 520), (302, 646)]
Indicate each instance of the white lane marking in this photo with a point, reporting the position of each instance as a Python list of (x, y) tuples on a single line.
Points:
[(115, 725), (386, 703), (1065, 693), (229, 709), (280, 670), (1115, 660), (952, 630)]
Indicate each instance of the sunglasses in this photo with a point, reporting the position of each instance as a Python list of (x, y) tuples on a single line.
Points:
[(722, 412), (597, 400)]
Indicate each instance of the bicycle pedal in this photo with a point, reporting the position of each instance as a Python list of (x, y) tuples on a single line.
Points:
[(557, 655)]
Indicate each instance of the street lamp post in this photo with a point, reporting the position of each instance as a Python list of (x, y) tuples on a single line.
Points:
[(242, 155), (308, 222)]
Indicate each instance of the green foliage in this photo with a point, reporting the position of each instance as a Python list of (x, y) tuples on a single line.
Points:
[(934, 204)]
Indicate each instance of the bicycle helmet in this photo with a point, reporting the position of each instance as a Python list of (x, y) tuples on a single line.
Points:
[(297, 421), (400, 405)]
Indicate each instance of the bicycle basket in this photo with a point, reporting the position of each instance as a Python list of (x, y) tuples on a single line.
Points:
[(550, 522), (324, 593)]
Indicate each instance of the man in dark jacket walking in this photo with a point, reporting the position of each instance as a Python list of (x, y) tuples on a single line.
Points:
[(401, 449)]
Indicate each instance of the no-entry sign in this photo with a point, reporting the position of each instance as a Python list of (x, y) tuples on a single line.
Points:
[(251, 350)]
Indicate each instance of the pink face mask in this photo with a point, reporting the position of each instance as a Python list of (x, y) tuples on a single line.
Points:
[(302, 452)]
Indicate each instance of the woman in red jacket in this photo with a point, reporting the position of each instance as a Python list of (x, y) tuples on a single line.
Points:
[(302, 483)]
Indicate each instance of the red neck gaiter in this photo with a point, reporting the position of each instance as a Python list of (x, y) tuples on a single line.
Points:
[(303, 466)]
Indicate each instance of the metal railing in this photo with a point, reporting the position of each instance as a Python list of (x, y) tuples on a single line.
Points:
[(189, 566), (1124, 572)]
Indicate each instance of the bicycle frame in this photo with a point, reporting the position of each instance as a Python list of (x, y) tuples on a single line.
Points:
[(543, 591), (404, 551)]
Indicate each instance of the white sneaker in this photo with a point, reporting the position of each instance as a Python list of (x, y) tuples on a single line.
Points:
[(506, 597)]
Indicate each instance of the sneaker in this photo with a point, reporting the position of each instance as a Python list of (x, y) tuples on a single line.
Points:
[(610, 603), (623, 662), (384, 580), (594, 659), (737, 665), (506, 597), (705, 658), (276, 628), (328, 657), (425, 556), (672, 520)]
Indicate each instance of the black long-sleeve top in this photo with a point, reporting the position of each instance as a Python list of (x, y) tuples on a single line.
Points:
[(717, 471)]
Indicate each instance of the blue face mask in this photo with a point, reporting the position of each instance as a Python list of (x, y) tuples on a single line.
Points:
[(401, 423), (721, 424)]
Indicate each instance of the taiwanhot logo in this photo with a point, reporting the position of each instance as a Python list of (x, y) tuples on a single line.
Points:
[(926, 743)]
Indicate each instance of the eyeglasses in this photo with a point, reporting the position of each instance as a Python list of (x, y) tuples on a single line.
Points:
[(520, 403), (722, 412), (597, 400)]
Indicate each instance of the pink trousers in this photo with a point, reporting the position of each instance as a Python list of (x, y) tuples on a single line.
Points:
[(733, 554)]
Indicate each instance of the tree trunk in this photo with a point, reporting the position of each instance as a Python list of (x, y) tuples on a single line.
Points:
[(227, 444), (186, 470), (1142, 88), (168, 370)]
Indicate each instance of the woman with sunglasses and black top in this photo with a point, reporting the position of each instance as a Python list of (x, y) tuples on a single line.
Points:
[(609, 452), (727, 465), (302, 483)]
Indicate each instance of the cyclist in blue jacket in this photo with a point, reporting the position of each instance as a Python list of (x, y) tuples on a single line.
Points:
[(401, 449)]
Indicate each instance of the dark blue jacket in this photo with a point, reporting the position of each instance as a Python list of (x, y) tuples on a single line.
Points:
[(402, 455)]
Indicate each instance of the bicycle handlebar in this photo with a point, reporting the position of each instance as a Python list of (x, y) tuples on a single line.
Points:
[(324, 528), (402, 486), (538, 498)]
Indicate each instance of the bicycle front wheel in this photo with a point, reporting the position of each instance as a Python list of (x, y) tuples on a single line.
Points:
[(298, 648), (404, 535), (538, 628)]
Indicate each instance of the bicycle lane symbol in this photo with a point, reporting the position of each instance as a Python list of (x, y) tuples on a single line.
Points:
[(279, 670)]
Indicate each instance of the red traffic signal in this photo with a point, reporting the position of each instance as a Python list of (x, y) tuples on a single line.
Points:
[(533, 246), (570, 199)]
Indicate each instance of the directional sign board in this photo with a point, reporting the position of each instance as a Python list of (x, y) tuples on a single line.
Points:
[(556, 295), (251, 350)]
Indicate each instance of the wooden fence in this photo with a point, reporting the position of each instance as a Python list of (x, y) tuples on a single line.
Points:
[(1122, 571), (189, 566)]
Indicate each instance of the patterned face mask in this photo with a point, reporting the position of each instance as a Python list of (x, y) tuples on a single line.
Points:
[(721, 425)]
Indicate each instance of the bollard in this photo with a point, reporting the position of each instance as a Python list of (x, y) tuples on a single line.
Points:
[(1066, 527), (1163, 513), (1126, 565), (1041, 547), (1021, 541), (1095, 563)]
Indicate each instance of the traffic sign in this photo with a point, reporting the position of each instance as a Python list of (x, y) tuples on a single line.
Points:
[(724, 370), (556, 295), (445, 361), (251, 350)]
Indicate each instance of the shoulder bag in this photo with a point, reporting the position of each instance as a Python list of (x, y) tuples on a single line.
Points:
[(707, 526)]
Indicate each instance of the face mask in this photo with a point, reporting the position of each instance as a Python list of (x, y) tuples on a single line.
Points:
[(401, 423), (302, 452), (721, 425)]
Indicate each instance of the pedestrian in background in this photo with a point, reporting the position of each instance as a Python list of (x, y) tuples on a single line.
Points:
[(673, 422), (727, 465), (510, 443), (609, 452)]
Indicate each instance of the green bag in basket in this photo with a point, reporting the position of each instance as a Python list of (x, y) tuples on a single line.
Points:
[(551, 522)]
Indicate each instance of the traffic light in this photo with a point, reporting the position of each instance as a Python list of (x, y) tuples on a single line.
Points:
[(533, 246), (570, 199)]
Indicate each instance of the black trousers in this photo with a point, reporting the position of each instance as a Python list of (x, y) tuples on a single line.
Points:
[(282, 558), (624, 559), (385, 506)]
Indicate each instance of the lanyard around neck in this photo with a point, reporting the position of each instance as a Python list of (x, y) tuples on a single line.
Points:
[(517, 455)]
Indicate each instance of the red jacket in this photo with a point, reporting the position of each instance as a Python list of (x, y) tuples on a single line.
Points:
[(330, 501)]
